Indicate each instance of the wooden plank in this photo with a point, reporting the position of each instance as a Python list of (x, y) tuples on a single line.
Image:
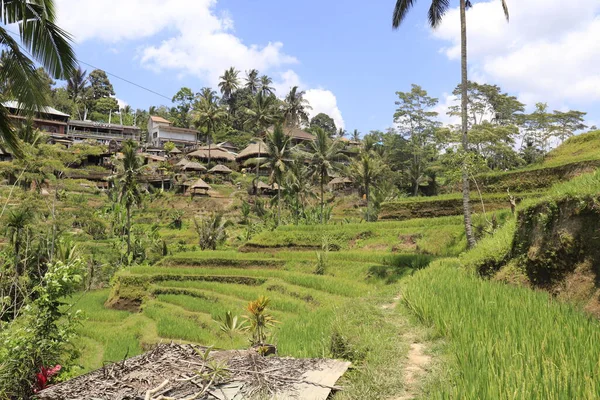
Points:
[(317, 384)]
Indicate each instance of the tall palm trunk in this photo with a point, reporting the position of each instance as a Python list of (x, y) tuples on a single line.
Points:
[(208, 139), (278, 204), (322, 197), (465, 139), (368, 195), (128, 230)]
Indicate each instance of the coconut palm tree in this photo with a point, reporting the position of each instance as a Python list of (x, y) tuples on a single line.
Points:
[(265, 85), (262, 113), (295, 107), (356, 135), (298, 185), (279, 154), (436, 13), (229, 82), (48, 44), (76, 84), (325, 157), (367, 170), (252, 81), (209, 115), (130, 193)]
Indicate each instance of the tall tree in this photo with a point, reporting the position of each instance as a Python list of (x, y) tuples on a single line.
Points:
[(324, 122), (77, 90), (265, 85), (183, 99), (416, 122), (130, 193), (279, 154), (229, 82), (262, 113), (252, 81), (209, 115), (100, 85), (356, 135), (437, 11), (565, 124), (48, 44), (325, 157), (295, 107)]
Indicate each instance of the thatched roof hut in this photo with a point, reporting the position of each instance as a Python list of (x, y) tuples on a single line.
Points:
[(336, 182), (253, 150), (220, 169), (175, 150), (216, 154), (199, 187), (192, 166)]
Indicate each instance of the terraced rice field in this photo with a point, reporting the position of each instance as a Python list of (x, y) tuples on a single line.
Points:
[(182, 297)]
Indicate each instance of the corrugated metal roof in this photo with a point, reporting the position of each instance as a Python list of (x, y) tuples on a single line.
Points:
[(44, 110)]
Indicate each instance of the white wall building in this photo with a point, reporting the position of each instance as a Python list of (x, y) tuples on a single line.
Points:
[(161, 131)]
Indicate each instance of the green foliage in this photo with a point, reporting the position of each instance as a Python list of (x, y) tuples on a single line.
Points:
[(231, 325), (211, 231), (487, 324), (42, 336), (259, 320), (324, 122)]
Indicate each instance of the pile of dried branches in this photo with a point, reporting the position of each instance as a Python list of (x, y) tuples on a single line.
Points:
[(188, 372)]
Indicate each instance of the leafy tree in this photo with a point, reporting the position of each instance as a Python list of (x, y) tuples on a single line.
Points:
[(211, 231), (49, 45), (436, 13), (298, 187), (325, 157), (537, 127), (209, 115), (229, 83), (100, 85), (106, 105), (262, 113), (129, 191), (183, 99), (415, 121), (278, 153), (252, 81), (77, 84), (324, 122), (265, 85), (367, 170), (356, 135), (295, 107), (565, 124)]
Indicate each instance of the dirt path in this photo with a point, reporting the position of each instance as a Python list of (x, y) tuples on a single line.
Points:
[(417, 361)]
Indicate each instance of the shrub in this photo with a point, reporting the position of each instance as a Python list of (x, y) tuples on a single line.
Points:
[(211, 231)]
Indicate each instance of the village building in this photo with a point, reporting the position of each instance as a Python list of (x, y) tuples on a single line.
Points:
[(161, 131), (297, 135), (46, 119), (254, 153), (213, 153), (230, 147), (101, 132)]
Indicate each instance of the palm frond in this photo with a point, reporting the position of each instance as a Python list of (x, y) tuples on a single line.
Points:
[(505, 8), (437, 11), (400, 10)]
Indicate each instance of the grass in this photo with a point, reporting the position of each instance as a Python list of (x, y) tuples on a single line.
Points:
[(505, 342), (582, 147)]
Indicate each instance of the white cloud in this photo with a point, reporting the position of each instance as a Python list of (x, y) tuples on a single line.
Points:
[(122, 103), (198, 42), (324, 101), (549, 50), (443, 107)]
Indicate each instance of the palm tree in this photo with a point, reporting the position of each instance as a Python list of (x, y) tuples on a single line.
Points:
[(229, 82), (298, 184), (296, 107), (356, 135), (209, 115), (48, 44), (76, 84), (265, 87), (130, 193), (252, 80), (325, 157), (366, 170), (17, 222), (279, 153), (436, 13)]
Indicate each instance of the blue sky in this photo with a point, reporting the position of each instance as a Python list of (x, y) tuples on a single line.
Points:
[(346, 55)]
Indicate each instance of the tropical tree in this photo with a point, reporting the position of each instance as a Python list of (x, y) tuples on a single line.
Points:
[(252, 81), (295, 107), (76, 84), (209, 115), (298, 186), (367, 170), (48, 44), (184, 100), (436, 13), (324, 122), (325, 157), (356, 135), (262, 113), (279, 154), (229, 82), (130, 193), (265, 85)]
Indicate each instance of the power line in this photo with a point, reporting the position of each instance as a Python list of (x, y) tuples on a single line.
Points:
[(92, 66)]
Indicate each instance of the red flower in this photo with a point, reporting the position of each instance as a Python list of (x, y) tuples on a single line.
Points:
[(44, 376)]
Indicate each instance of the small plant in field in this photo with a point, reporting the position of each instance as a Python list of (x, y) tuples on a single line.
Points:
[(231, 325), (211, 231), (259, 320), (176, 218), (322, 257), (245, 210)]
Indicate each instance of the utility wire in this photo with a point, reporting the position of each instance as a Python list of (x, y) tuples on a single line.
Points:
[(92, 66)]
